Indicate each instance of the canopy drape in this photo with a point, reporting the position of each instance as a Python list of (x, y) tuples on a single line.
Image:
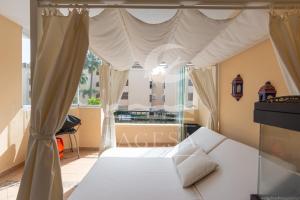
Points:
[(122, 39), (285, 35), (112, 83), (59, 63), (249, 28), (205, 86)]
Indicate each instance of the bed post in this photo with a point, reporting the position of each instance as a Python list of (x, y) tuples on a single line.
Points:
[(33, 35)]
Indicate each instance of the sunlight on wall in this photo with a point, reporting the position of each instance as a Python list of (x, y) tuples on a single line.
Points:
[(14, 139), (90, 128), (13, 120), (4, 141)]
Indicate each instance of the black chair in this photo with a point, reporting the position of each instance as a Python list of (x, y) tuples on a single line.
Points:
[(70, 127)]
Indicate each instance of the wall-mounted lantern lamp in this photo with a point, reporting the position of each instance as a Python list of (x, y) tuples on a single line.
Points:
[(237, 87), (267, 91)]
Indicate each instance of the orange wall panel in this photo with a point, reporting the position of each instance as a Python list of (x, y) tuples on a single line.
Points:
[(256, 66)]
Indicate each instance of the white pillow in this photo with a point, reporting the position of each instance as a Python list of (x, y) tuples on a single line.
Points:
[(206, 138), (195, 167), (183, 152), (203, 137), (186, 143)]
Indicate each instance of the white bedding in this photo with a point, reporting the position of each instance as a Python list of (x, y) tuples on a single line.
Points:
[(236, 176), (149, 173), (133, 179), (143, 152)]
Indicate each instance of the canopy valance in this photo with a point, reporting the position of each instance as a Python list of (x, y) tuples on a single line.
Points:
[(184, 36)]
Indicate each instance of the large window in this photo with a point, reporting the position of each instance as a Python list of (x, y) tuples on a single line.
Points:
[(89, 86), (26, 82), (189, 98), (150, 97), (88, 92)]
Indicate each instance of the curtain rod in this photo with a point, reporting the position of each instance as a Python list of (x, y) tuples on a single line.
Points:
[(135, 6)]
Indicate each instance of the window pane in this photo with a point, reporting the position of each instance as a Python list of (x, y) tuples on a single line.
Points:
[(26, 82), (189, 93), (88, 92), (89, 86), (76, 99), (149, 98)]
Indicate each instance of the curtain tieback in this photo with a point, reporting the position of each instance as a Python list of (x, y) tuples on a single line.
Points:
[(40, 136)]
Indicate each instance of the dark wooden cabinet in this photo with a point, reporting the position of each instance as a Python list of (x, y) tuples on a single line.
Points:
[(190, 128), (279, 147)]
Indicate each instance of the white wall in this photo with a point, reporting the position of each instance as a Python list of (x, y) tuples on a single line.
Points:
[(139, 90), (171, 91), (13, 119), (256, 66)]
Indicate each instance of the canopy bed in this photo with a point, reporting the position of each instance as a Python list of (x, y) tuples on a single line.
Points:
[(188, 36), (139, 173)]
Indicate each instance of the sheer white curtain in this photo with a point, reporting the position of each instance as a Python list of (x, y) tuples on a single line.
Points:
[(204, 83), (285, 35), (59, 63), (186, 36), (126, 39), (112, 83)]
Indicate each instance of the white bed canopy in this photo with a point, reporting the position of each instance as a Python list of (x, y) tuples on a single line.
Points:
[(121, 39), (176, 37)]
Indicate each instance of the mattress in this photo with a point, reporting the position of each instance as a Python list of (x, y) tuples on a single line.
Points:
[(143, 152), (237, 175), (149, 173), (133, 179)]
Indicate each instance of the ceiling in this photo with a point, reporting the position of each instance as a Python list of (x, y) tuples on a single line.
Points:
[(19, 12), (229, 42)]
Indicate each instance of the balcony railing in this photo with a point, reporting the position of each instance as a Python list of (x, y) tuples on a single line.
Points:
[(146, 117)]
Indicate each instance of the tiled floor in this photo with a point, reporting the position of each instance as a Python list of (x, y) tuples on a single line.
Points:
[(73, 170)]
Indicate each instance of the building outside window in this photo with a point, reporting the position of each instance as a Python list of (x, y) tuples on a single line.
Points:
[(123, 104), (190, 96), (26, 82), (89, 86), (149, 98), (189, 100)]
